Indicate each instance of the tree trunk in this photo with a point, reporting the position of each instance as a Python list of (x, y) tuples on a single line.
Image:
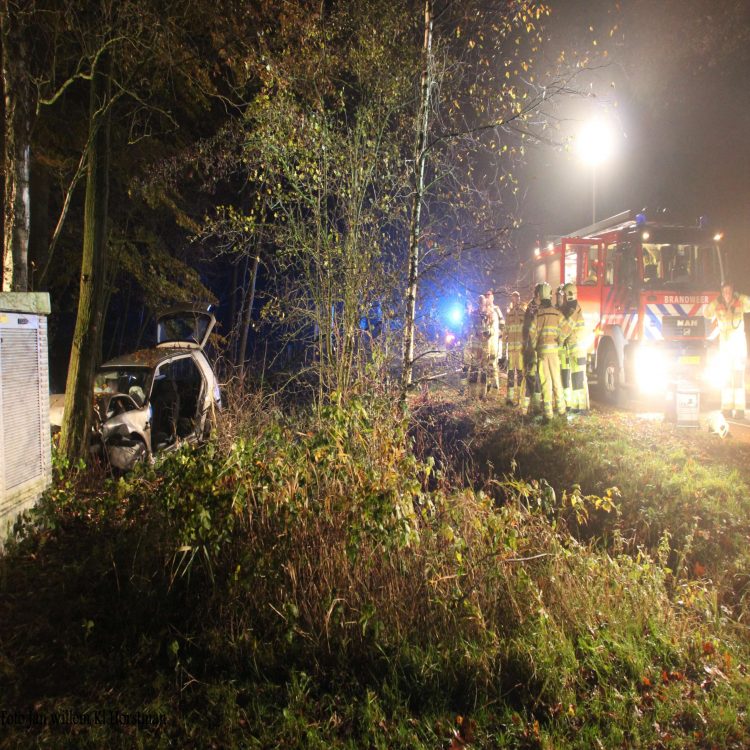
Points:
[(247, 317), (39, 235), (124, 323), (416, 210), (146, 320), (79, 388), (16, 154), (234, 321)]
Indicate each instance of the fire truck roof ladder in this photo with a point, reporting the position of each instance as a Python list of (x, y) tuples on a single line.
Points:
[(624, 217)]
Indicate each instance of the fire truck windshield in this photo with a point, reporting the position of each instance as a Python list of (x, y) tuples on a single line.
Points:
[(681, 266)]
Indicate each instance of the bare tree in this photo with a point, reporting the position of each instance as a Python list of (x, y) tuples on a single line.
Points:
[(483, 93), (415, 227), (86, 338), (18, 114)]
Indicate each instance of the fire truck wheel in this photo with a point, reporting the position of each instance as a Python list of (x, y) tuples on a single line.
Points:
[(608, 375)]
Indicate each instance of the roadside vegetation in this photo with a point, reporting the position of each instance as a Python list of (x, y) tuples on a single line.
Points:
[(310, 580)]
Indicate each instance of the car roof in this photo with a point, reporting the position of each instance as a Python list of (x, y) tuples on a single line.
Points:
[(146, 357)]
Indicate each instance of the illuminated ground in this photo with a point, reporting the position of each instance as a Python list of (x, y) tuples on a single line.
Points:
[(474, 428)]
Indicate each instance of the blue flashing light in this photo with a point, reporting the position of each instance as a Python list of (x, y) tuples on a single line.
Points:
[(640, 219), (456, 315)]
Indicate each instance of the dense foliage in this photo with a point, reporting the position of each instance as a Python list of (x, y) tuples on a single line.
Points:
[(305, 582)]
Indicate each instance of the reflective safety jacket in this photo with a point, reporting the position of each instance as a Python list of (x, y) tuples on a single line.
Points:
[(547, 330), (492, 321), (575, 340), (513, 334), (528, 319), (476, 342), (729, 317)]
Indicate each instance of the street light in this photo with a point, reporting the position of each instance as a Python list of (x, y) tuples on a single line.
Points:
[(595, 144)]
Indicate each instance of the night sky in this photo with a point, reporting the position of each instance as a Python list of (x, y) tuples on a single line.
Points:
[(675, 85)]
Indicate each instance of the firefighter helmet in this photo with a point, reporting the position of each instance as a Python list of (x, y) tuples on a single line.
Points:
[(571, 292), (543, 290), (516, 293)]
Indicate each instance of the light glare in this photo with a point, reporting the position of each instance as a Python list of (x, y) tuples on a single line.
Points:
[(595, 143), (651, 370), (456, 315), (715, 372)]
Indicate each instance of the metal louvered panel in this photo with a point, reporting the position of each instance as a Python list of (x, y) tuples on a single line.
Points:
[(21, 408)]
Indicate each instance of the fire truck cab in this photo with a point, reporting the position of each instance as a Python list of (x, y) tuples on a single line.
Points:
[(642, 286)]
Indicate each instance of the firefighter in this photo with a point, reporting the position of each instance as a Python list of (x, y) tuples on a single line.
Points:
[(575, 345), (563, 352), (545, 332), (498, 313), (531, 399), (513, 340), (728, 310), (476, 352), (493, 324)]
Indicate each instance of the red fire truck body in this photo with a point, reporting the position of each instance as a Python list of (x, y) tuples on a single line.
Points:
[(643, 286)]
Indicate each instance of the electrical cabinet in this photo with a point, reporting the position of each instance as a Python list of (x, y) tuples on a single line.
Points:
[(25, 459)]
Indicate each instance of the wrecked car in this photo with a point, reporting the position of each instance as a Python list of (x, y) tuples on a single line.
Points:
[(154, 400)]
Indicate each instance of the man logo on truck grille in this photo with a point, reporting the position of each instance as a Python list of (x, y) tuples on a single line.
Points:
[(674, 326)]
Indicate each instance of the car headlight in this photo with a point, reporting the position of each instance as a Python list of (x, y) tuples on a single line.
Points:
[(651, 371)]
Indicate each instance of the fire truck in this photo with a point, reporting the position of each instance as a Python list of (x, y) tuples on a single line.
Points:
[(643, 285)]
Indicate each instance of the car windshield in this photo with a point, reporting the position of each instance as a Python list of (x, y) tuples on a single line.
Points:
[(681, 265), (133, 381)]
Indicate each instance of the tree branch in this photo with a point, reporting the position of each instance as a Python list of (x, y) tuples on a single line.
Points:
[(78, 75)]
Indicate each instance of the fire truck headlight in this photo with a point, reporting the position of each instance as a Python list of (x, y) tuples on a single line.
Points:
[(715, 372), (651, 370)]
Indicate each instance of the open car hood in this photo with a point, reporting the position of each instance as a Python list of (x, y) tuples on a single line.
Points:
[(184, 328)]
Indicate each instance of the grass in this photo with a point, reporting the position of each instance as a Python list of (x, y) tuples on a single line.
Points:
[(685, 483), (310, 582)]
